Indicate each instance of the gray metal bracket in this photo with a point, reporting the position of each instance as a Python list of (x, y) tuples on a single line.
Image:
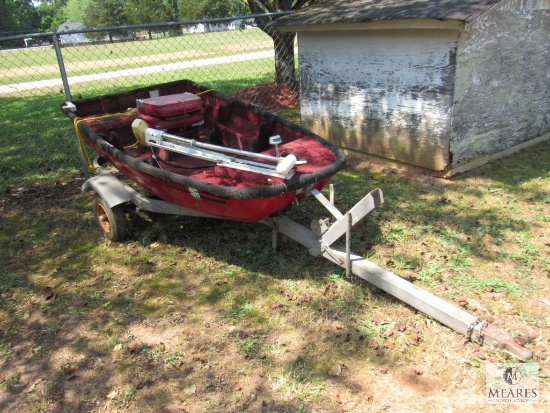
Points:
[(109, 188)]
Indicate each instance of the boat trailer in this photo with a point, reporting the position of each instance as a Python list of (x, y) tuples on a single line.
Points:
[(323, 240)]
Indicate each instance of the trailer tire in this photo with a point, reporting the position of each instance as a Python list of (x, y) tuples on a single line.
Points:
[(111, 221)]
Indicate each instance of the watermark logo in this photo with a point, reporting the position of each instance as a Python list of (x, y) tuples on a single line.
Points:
[(512, 383), (512, 375)]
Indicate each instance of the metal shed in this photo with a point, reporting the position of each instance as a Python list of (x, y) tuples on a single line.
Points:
[(442, 84)]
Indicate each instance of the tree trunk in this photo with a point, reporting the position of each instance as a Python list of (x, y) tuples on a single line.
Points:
[(283, 42), (284, 57)]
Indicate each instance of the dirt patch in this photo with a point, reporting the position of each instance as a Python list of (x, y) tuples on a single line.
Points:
[(45, 196), (271, 96), (418, 382)]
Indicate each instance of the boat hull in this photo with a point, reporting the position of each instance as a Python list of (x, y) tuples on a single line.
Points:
[(245, 210)]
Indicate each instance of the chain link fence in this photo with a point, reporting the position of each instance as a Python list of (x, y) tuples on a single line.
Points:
[(230, 55)]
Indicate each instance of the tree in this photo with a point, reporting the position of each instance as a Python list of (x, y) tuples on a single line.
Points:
[(75, 10), (17, 17), (7, 20), (217, 8), (50, 14), (174, 9), (283, 42), (209, 9), (146, 11), (104, 13)]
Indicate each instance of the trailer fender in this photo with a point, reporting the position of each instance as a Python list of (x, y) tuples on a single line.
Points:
[(109, 188)]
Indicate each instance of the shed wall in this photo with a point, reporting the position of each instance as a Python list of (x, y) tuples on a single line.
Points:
[(502, 96), (384, 92)]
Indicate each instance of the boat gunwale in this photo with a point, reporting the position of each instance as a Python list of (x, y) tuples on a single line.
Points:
[(294, 184)]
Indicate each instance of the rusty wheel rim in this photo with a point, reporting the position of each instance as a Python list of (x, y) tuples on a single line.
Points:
[(102, 218)]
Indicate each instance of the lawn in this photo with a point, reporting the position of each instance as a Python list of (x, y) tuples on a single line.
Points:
[(34, 64), (216, 43), (196, 315)]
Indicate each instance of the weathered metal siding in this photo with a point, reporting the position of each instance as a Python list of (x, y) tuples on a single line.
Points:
[(384, 92), (502, 95)]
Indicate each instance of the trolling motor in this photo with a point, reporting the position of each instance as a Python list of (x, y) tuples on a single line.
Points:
[(277, 165)]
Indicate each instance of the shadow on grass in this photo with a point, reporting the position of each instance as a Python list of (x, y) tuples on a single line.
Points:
[(69, 299)]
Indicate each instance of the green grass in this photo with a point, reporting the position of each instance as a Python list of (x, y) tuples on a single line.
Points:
[(207, 44), (25, 65), (227, 78), (34, 124), (196, 302)]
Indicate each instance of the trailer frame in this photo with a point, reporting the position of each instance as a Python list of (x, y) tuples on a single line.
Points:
[(324, 239)]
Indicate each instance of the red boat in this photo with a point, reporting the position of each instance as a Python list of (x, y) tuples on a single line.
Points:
[(199, 150)]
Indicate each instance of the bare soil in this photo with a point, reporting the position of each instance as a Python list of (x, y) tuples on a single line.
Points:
[(271, 96)]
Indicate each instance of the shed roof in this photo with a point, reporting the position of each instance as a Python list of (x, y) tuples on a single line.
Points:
[(363, 11)]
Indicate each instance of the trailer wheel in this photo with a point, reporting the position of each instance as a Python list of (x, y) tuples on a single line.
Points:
[(112, 221)]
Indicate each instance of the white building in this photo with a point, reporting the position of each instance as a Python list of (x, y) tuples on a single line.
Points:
[(71, 39), (442, 84)]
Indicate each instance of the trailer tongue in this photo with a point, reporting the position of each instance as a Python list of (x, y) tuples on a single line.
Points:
[(322, 242)]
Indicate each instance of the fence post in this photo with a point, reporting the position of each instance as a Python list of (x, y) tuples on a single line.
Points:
[(57, 46), (68, 96)]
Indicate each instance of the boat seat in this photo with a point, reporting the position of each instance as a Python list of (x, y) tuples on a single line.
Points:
[(233, 139), (238, 136), (261, 143), (115, 129)]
